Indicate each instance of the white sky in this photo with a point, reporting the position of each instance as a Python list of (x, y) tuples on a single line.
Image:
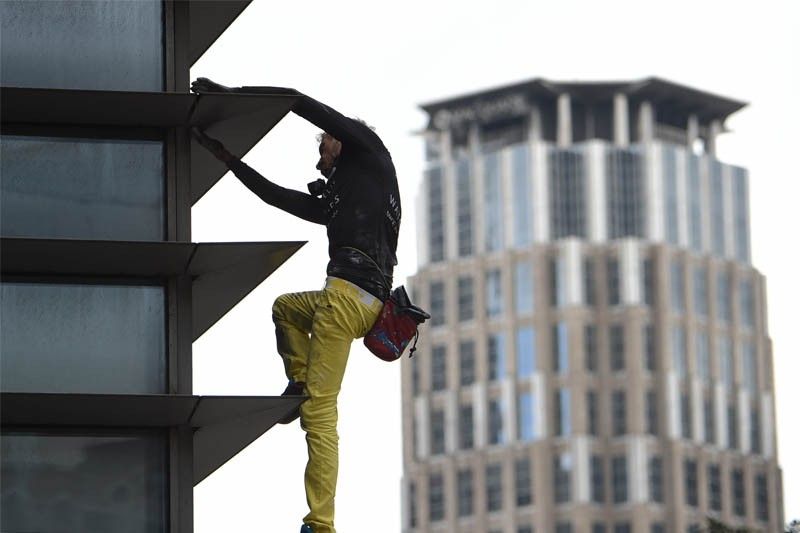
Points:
[(378, 62)]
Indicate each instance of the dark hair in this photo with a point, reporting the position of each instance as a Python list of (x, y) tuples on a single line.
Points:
[(321, 134)]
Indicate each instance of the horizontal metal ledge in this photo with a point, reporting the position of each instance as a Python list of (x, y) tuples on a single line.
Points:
[(223, 425), (222, 273), (208, 19), (238, 120)]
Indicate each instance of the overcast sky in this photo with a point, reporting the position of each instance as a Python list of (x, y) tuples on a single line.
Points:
[(368, 60)]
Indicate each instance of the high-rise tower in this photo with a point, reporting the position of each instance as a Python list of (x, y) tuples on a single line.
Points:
[(598, 358)]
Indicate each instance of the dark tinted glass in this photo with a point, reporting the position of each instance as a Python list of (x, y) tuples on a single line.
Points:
[(89, 483), (81, 188), (82, 44), (83, 338)]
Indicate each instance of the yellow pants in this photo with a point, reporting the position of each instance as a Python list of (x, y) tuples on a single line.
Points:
[(314, 331)]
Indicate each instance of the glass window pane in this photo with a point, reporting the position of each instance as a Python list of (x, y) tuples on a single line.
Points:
[(493, 202), (558, 280), (523, 288), (494, 487), (526, 352), (619, 478), (464, 206), (521, 181), (696, 202), (612, 265), (618, 412), (724, 308), (83, 338), (616, 347), (701, 290), (624, 193), (55, 187), (560, 348), (466, 352), (523, 481), (567, 190), (437, 303), (562, 415), (497, 356), (562, 468), (677, 285), (598, 479), (465, 427), (436, 497), (436, 234), (717, 209), (92, 483), (526, 417), (466, 301), (465, 498), (437, 432), (670, 193), (747, 302), (679, 350), (496, 415), (494, 293), (439, 368), (656, 479), (86, 44), (741, 215), (590, 347)]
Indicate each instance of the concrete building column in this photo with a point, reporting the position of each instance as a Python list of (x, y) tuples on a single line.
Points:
[(421, 419), (479, 415), (630, 272), (446, 145), (714, 130), (474, 139), (478, 219), (721, 414), (729, 226), (692, 132), (535, 124), (596, 216), (571, 257), (541, 194), (637, 468), (743, 412), (621, 128), (539, 390), (451, 421), (683, 197), (564, 124), (647, 122), (581, 469), (673, 405)]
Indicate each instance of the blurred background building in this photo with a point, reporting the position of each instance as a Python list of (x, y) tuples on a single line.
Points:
[(598, 358)]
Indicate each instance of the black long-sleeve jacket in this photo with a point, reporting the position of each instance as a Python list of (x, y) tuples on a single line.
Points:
[(360, 204)]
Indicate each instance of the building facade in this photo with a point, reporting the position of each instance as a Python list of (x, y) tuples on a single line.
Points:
[(102, 290), (598, 358)]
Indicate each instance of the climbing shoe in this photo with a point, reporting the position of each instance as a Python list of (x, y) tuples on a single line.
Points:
[(294, 388)]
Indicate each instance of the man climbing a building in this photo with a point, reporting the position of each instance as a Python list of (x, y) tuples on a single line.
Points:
[(359, 203)]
